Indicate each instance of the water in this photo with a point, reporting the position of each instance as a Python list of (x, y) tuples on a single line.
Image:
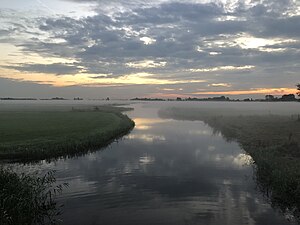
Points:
[(163, 172)]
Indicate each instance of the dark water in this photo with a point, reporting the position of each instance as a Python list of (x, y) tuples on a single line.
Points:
[(163, 172)]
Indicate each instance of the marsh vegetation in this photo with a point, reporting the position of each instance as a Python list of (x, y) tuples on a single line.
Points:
[(273, 141), (28, 199)]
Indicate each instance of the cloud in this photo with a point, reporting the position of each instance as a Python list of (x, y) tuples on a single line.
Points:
[(217, 41), (220, 85), (223, 68), (275, 91), (146, 64), (55, 68)]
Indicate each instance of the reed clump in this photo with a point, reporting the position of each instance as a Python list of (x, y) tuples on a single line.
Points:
[(28, 199)]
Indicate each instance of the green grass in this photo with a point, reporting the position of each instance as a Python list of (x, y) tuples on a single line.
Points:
[(29, 199), (273, 141), (40, 135)]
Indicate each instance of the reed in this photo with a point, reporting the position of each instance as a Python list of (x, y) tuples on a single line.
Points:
[(28, 199)]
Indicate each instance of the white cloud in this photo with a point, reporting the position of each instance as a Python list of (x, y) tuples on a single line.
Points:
[(147, 40), (220, 85), (250, 42), (146, 64), (215, 53), (222, 68)]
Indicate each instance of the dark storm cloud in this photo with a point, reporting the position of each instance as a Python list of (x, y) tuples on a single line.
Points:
[(185, 35)]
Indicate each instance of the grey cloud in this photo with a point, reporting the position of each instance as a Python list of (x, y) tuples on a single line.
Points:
[(55, 68), (4, 32), (284, 27), (19, 88), (99, 77), (103, 44), (173, 12), (4, 36)]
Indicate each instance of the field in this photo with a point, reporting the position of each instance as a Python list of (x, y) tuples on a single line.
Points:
[(273, 141), (27, 135), (45, 134)]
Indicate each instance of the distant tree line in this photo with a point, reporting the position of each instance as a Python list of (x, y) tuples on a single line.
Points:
[(283, 98), (7, 98), (219, 98), (268, 98), (147, 99)]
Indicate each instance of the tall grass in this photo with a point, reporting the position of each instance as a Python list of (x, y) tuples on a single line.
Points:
[(273, 141), (28, 199)]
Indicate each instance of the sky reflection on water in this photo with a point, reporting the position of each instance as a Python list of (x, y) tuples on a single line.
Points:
[(163, 172)]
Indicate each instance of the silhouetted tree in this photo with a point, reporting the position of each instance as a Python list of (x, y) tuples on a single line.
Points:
[(270, 98), (289, 97), (298, 88)]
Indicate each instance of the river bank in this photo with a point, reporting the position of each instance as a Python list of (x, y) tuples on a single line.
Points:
[(33, 135), (273, 142), (46, 134)]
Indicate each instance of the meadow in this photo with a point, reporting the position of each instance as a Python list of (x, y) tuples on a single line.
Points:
[(46, 134), (273, 142), (33, 135)]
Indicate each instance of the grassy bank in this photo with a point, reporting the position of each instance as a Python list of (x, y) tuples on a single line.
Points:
[(27, 200), (46, 134), (273, 141)]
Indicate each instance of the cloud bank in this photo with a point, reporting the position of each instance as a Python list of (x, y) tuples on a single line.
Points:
[(239, 44)]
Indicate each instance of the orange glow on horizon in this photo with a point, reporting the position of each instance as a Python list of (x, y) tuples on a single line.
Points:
[(86, 80), (163, 95), (262, 91), (267, 91)]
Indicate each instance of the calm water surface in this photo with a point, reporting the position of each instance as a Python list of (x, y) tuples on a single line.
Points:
[(163, 172)]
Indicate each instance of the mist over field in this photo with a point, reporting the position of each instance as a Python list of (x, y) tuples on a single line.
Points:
[(228, 107)]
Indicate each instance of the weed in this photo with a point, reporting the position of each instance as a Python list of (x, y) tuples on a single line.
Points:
[(28, 199)]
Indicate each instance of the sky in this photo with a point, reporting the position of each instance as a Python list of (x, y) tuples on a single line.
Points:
[(141, 48)]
